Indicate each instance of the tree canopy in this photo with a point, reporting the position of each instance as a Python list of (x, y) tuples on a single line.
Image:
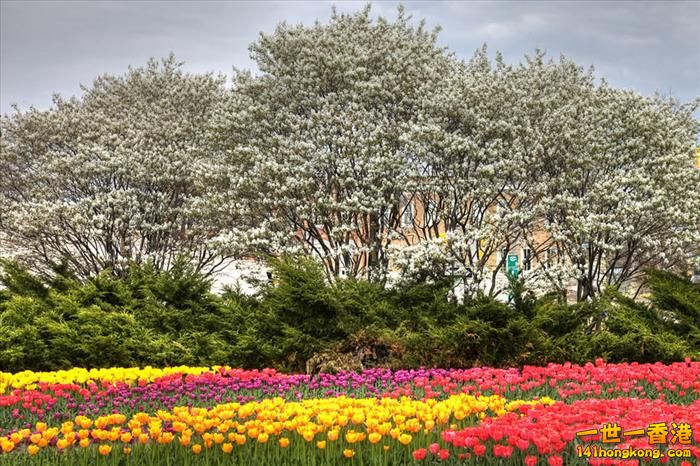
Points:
[(328, 148), (116, 176)]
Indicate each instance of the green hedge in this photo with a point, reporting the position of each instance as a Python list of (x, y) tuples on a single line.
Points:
[(299, 322)]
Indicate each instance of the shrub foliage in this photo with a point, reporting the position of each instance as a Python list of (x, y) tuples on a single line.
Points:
[(300, 322)]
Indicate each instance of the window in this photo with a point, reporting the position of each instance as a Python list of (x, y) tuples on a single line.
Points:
[(527, 259), (550, 256), (431, 215), (408, 213), (386, 216)]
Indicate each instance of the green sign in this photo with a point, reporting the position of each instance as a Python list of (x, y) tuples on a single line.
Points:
[(512, 264)]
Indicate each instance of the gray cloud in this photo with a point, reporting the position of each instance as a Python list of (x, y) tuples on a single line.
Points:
[(51, 47)]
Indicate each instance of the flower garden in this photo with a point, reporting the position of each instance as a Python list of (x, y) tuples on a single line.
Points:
[(220, 415), (363, 208)]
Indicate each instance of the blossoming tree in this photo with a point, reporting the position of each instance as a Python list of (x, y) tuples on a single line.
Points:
[(596, 182), (314, 142), (117, 175), (619, 194)]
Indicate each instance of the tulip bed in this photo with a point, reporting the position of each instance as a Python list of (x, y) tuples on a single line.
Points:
[(220, 415)]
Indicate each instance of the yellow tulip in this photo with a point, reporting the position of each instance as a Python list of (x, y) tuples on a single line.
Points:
[(185, 440), (348, 453), (165, 438), (384, 428), (83, 422), (179, 426), (66, 427)]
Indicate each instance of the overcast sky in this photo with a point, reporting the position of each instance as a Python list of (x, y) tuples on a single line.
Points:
[(49, 47)]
